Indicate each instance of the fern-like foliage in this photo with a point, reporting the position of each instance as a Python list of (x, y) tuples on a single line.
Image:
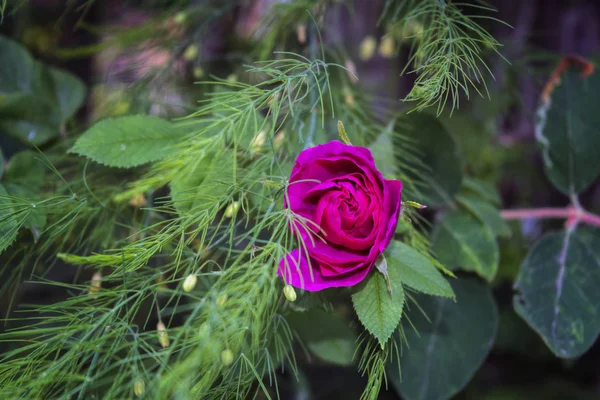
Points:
[(447, 49)]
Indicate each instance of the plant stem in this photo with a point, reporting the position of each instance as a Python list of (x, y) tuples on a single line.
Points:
[(570, 213), (314, 94)]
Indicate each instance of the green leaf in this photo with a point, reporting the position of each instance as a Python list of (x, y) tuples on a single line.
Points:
[(567, 126), (557, 293), (1, 163), (447, 349), (206, 178), (16, 74), (487, 214), (128, 141), (459, 240), (416, 271), (25, 169), (326, 335), (482, 189), (69, 91), (440, 171), (377, 309)]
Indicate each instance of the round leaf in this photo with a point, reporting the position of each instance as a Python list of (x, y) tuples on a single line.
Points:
[(557, 293), (447, 348)]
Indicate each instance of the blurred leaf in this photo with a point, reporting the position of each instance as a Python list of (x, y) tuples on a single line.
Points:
[(208, 177), (416, 271), (34, 99), (1, 163), (557, 293), (16, 74), (482, 189), (327, 336), (377, 309), (567, 126), (441, 169), (459, 240), (128, 141), (383, 153), (487, 214), (448, 346), (25, 169), (69, 91)]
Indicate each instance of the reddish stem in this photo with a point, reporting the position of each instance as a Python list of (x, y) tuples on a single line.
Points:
[(571, 214)]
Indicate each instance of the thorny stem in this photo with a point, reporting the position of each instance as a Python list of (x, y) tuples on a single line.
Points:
[(572, 214)]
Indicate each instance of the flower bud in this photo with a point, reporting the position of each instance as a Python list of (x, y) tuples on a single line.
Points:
[(258, 142), (204, 331), (191, 52), (301, 33), (139, 387), (163, 336), (227, 357), (289, 293), (387, 46), (221, 300), (198, 72), (189, 283), (96, 284), (232, 209), (180, 17), (138, 200), (367, 48)]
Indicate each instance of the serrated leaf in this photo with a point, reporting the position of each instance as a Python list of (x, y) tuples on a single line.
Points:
[(377, 310), (447, 349), (487, 214), (325, 334), (460, 240), (482, 189), (567, 126), (416, 271), (128, 141), (557, 293), (206, 178), (440, 171)]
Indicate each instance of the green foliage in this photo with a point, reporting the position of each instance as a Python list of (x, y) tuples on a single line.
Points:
[(460, 240), (35, 100), (446, 49), (566, 126), (486, 213), (378, 308), (128, 141), (481, 189), (439, 172), (557, 291), (326, 335), (417, 271), (446, 341)]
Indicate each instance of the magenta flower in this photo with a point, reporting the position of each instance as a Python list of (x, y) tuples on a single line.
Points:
[(347, 213)]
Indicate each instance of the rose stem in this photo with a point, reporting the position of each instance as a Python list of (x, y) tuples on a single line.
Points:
[(572, 214)]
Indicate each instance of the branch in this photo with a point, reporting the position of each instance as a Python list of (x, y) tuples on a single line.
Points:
[(571, 214)]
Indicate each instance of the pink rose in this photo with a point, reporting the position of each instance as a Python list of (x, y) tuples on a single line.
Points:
[(347, 213)]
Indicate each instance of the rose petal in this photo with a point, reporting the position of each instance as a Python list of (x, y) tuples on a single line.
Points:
[(393, 205), (296, 271)]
